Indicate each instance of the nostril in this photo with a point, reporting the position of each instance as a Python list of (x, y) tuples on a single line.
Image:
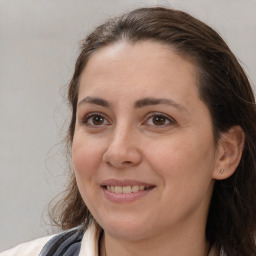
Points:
[(127, 162), (121, 159), (109, 164)]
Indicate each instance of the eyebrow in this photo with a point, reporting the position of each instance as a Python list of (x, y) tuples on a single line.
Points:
[(138, 104), (94, 100), (155, 101)]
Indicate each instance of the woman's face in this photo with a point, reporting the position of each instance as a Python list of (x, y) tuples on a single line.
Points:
[(143, 148)]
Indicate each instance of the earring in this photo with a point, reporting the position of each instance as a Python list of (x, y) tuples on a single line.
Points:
[(221, 171)]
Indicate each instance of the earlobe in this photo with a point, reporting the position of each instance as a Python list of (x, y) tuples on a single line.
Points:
[(230, 150)]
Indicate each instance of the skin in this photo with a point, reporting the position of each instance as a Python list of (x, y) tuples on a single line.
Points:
[(177, 155)]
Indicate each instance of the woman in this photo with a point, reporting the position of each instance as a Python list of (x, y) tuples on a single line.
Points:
[(162, 138)]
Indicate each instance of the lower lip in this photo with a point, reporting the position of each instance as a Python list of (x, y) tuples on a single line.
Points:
[(129, 197)]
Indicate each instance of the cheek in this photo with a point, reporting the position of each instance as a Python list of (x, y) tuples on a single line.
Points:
[(185, 167), (86, 157), (182, 157)]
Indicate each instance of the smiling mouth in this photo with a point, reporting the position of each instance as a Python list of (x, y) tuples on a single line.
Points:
[(126, 189)]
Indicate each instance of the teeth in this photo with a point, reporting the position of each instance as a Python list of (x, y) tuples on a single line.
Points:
[(125, 189), (136, 189), (118, 190)]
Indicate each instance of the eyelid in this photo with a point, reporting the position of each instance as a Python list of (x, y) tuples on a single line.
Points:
[(170, 119), (91, 114), (152, 114)]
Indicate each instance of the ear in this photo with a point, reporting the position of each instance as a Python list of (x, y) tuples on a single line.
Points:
[(229, 152)]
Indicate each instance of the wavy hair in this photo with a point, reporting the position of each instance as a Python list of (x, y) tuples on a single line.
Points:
[(224, 88)]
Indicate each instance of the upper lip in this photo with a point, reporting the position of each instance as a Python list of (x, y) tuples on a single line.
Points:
[(125, 182)]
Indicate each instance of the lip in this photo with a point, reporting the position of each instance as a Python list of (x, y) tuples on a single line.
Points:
[(126, 182), (125, 197)]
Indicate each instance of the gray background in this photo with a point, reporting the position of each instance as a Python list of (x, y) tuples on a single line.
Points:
[(38, 46)]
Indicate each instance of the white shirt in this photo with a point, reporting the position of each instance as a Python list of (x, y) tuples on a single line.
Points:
[(89, 246)]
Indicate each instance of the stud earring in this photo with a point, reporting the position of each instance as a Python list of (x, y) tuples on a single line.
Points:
[(221, 171)]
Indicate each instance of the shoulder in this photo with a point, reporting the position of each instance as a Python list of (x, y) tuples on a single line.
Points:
[(32, 248), (70, 242)]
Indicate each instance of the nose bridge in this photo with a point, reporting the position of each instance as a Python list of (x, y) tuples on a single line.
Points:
[(122, 134), (122, 148)]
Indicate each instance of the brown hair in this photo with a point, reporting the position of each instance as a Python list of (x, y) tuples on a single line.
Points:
[(224, 88)]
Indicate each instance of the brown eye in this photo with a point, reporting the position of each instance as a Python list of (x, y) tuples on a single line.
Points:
[(98, 120), (95, 120), (159, 120)]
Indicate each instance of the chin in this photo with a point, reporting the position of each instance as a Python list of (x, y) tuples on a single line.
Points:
[(126, 229)]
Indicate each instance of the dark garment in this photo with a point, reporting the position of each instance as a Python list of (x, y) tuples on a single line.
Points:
[(67, 243)]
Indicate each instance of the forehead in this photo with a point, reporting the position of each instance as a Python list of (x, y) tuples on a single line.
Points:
[(139, 52), (144, 66)]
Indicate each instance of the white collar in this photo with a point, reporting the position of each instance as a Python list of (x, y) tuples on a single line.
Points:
[(90, 243)]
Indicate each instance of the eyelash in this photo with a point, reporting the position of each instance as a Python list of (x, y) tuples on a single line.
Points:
[(161, 115), (149, 116), (89, 117)]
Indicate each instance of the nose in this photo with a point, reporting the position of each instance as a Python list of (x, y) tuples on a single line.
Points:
[(123, 149)]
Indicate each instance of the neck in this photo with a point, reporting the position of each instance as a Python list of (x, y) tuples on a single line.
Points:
[(186, 244)]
